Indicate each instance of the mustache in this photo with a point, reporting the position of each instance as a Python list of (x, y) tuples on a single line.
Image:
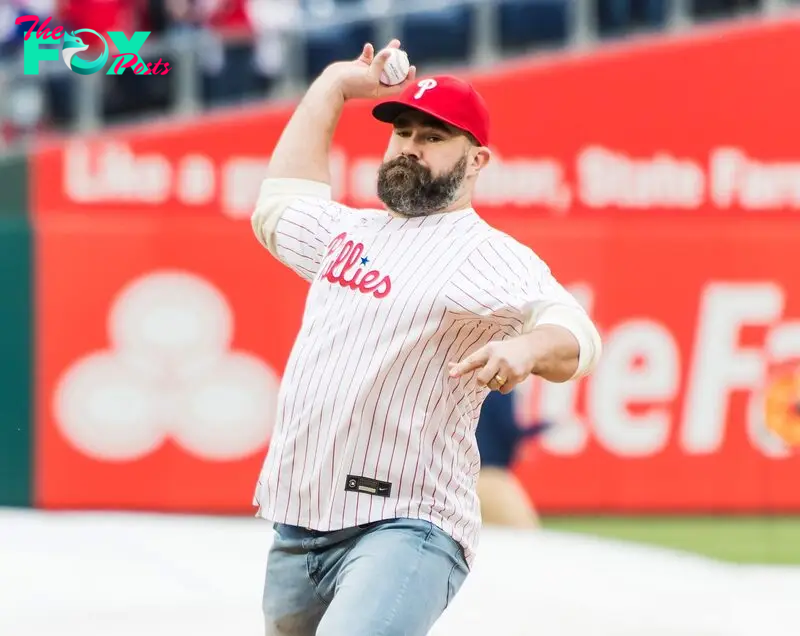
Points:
[(411, 164), (403, 160)]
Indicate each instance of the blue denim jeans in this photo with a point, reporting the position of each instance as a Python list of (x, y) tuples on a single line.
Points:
[(388, 578)]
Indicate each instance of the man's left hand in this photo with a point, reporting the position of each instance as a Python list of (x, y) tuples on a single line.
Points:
[(501, 364)]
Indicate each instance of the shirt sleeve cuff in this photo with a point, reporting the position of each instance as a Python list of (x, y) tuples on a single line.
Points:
[(273, 199), (578, 323)]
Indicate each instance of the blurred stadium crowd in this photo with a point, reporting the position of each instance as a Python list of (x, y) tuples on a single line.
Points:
[(232, 50)]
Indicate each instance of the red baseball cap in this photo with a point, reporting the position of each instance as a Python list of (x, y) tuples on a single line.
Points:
[(445, 97)]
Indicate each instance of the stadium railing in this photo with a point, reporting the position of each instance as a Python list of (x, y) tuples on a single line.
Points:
[(440, 33)]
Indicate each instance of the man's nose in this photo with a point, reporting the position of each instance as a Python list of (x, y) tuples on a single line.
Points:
[(410, 149)]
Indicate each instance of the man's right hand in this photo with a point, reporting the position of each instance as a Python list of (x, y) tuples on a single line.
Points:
[(303, 150), (360, 79)]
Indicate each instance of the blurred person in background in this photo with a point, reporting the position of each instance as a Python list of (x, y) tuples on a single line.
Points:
[(100, 15), (122, 94), (24, 106), (238, 45), (272, 20), (243, 46), (226, 57), (178, 27), (501, 436)]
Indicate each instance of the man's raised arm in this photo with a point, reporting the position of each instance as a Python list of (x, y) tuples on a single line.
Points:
[(302, 152), (299, 166)]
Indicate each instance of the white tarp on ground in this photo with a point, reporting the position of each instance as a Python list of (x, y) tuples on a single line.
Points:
[(142, 575)]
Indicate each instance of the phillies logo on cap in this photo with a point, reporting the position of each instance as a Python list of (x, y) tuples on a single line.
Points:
[(425, 85), (453, 101)]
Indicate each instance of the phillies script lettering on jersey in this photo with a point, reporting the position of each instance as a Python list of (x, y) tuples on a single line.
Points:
[(369, 424), (339, 269)]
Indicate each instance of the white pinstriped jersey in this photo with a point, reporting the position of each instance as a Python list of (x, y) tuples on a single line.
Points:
[(366, 389)]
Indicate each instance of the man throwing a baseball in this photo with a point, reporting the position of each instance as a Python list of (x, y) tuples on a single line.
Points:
[(414, 313)]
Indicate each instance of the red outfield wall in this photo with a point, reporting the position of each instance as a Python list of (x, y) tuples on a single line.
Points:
[(661, 182)]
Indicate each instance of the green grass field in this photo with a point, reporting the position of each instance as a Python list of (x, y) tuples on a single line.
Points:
[(767, 540)]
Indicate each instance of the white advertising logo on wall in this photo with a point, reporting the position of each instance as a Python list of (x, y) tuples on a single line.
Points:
[(169, 373)]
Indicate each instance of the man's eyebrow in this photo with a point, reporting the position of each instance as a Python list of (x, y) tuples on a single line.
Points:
[(402, 122)]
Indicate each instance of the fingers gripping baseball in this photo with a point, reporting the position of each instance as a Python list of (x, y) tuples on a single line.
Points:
[(378, 68), (379, 63), (361, 78), (367, 54)]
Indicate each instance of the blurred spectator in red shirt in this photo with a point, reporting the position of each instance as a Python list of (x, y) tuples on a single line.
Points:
[(242, 44), (229, 18), (231, 56), (100, 15)]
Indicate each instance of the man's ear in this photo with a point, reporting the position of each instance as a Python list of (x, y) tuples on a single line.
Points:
[(479, 158)]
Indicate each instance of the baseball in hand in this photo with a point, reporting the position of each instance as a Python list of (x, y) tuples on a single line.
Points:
[(396, 69)]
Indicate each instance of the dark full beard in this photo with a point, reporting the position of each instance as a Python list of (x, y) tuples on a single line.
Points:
[(409, 188)]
